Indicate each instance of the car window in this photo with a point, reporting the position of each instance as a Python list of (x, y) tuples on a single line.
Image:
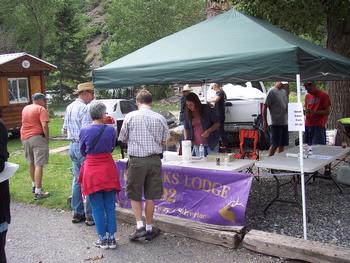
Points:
[(127, 106)]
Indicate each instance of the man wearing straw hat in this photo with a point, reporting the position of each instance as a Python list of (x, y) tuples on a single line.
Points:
[(76, 117)]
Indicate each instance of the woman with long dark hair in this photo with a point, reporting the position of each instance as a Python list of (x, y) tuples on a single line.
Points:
[(5, 216), (201, 125)]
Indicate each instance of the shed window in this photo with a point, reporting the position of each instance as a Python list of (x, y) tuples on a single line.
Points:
[(18, 90)]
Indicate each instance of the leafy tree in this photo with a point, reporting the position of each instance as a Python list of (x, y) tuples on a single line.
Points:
[(134, 24), (138, 23), (326, 22), (68, 48), (29, 23)]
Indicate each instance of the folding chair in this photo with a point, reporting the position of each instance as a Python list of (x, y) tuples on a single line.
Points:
[(248, 141)]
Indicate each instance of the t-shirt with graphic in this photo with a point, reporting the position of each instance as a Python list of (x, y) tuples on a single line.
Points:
[(319, 101)]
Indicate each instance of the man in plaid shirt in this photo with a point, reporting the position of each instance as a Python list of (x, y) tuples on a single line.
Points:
[(145, 132), (77, 116)]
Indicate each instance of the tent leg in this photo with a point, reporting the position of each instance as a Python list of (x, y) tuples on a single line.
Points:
[(301, 159)]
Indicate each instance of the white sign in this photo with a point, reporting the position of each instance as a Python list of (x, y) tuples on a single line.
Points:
[(295, 117)]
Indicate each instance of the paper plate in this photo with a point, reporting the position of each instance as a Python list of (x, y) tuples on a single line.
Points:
[(10, 170)]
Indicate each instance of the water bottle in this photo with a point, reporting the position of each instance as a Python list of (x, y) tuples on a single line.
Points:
[(201, 151)]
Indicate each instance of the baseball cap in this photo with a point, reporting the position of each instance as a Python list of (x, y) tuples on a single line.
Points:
[(285, 82), (38, 96)]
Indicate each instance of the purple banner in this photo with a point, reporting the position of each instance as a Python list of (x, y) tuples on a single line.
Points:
[(209, 196)]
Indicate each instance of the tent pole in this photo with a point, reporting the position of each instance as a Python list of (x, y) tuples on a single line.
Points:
[(301, 159)]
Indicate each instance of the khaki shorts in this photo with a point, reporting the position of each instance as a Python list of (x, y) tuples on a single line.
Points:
[(36, 150), (144, 173)]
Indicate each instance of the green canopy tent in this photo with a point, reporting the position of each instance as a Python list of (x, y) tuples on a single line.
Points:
[(230, 47)]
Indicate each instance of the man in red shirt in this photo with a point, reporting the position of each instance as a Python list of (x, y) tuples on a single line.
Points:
[(35, 139), (317, 108)]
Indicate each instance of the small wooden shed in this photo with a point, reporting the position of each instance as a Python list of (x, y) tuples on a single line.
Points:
[(21, 75)]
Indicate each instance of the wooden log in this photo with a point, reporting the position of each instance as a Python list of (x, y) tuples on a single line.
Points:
[(294, 248), (227, 236)]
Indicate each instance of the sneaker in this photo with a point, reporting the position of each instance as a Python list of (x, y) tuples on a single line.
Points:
[(78, 218), (33, 189), (101, 243), (89, 221), (112, 243), (138, 234), (41, 196), (152, 234)]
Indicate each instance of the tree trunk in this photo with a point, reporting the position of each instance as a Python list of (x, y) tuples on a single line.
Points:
[(338, 40), (216, 7)]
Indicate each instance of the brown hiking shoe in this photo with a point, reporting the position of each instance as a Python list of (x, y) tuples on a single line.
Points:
[(78, 218), (41, 196)]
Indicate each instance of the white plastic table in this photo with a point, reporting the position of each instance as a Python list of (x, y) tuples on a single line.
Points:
[(236, 165), (322, 155)]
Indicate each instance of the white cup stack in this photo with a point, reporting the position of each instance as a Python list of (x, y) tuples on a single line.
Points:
[(186, 151)]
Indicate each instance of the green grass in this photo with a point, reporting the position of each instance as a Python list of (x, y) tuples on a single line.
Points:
[(169, 107), (57, 176)]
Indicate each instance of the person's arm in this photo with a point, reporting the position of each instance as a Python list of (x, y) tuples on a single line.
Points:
[(186, 134), (214, 99), (265, 124), (214, 118), (44, 120), (211, 129), (3, 146), (45, 126), (123, 134), (165, 134), (82, 144), (319, 112)]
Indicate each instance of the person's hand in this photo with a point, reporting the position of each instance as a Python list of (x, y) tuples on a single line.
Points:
[(308, 111), (205, 134)]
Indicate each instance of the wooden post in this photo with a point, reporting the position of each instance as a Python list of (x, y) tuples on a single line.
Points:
[(294, 248), (227, 236)]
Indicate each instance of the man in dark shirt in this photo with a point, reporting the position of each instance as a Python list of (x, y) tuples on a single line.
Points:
[(185, 91), (219, 103)]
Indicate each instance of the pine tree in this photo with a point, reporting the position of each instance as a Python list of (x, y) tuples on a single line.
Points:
[(68, 49)]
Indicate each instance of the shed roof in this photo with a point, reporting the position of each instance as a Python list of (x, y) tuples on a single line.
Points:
[(5, 58)]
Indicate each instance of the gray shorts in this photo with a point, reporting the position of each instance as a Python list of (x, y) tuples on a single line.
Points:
[(144, 173), (36, 150)]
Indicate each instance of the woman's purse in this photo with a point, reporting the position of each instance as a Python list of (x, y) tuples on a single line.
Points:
[(9, 170)]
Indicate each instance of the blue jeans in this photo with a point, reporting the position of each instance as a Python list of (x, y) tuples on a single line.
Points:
[(207, 150), (103, 211), (315, 135), (77, 200)]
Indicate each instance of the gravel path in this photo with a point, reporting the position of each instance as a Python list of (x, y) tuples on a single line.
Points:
[(38, 234)]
